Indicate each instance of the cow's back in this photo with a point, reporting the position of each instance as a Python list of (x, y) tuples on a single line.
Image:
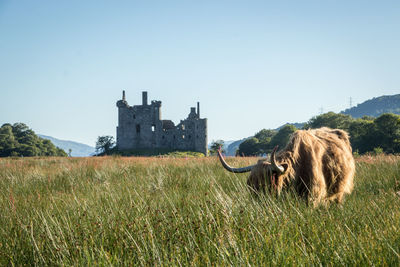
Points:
[(322, 157)]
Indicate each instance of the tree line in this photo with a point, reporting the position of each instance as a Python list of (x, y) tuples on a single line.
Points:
[(367, 134), (18, 140)]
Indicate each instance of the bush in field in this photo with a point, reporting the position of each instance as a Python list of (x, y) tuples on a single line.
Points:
[(18, 140), (105, 144), (215, 146)]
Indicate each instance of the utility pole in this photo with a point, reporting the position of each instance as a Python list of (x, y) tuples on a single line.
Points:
[(351, 102), (321, 110)]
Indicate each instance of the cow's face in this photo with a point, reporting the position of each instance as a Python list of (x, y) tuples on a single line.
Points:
[(262, 174), (265, 177)]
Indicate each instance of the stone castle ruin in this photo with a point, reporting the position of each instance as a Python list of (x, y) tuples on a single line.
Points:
[(140, 127)]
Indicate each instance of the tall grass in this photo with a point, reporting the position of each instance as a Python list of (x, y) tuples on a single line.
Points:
[(160, 211)]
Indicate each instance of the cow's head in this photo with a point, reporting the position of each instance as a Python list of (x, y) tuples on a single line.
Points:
[(262, 174)]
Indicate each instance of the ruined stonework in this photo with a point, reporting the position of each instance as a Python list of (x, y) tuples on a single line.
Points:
[(140, 127)]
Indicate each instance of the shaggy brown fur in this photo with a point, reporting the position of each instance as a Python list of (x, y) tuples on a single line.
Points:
[(318, 163)]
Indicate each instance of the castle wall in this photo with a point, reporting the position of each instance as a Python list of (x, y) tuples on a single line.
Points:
[(141, 127)]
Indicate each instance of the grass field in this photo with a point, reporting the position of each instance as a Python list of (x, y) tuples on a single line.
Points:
[(165, 211)]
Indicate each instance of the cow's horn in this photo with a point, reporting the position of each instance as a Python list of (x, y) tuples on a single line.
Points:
[(277, 167), (229, 168)]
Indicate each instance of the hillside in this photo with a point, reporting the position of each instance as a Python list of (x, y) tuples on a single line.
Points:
[(375, 107), (78, 149), (233, 146)]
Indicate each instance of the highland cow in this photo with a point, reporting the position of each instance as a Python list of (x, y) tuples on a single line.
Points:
[(318, 163)]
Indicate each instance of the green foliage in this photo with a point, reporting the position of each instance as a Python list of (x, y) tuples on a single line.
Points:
[(362, 135), (387, 132), (366, 133), (154, 153), (18, 140), (378, 150), (183, 154), (368, 118), (331, 120), (265, 140), (265, 134), (115, 211), (215, 146), (282, 137), (250, 147), (104, 144)]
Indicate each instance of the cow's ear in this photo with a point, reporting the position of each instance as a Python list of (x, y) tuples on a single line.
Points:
[(285, 166)]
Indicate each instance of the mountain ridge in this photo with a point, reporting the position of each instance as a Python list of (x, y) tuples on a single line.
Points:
[(375, 107), (77, 149)]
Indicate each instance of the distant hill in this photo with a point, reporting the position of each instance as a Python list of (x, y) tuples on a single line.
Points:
[(78, 149), (233, 146), (224, 147), (376, 107)]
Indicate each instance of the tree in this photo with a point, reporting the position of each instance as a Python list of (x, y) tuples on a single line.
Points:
[(362, 135), (264, 140), (250, 147), (282, 137), (265, 135), (18, 140), (7, 140), (331, 120), (215, 146), (388, 132), (48, 149), (60, 152), (104, 144), (26, 150)]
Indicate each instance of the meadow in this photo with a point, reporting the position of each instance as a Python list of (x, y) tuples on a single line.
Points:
[(188, 211)]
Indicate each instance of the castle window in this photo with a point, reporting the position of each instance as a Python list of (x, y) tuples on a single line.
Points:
[(163, 137), (153, 128), (137, 128), (183, 127), (174, 136), (183, 136), (190, 136), (134, 116)]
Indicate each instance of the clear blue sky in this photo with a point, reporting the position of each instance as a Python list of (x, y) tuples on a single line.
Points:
[(251, 64)]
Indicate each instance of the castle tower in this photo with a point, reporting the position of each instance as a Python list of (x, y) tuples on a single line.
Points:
[(201, 140), (144, 98)]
